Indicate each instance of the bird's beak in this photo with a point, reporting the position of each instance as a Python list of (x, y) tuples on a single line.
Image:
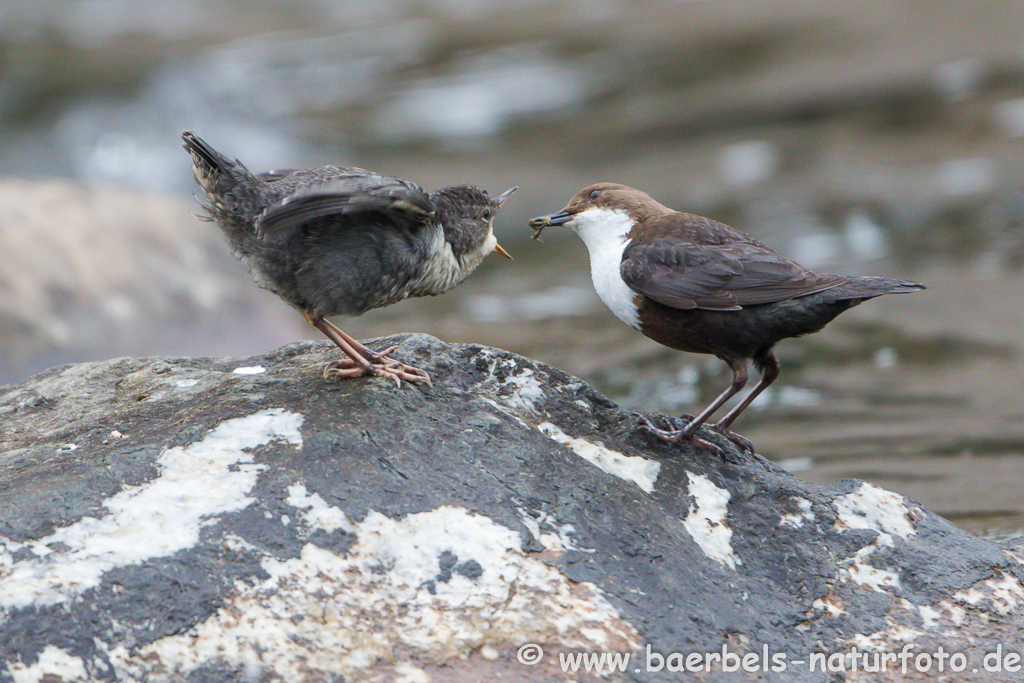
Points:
[(501, 198), (540, 222)]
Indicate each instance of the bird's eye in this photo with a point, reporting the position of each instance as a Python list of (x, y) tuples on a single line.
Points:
[(487, 213), (595, 194)]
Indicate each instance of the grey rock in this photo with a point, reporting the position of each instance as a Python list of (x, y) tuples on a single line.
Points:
[(169, 519)]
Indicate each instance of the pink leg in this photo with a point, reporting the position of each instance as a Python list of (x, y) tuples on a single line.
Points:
[(361, 360)]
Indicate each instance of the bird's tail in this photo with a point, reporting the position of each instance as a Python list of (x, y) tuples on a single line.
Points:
[(223, 179), (870, 287)]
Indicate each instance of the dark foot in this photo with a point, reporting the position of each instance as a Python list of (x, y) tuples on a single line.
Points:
[(381, 365), (742, 442), (677, 435)]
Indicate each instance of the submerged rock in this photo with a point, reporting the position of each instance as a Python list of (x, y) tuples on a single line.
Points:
[(245, 520)]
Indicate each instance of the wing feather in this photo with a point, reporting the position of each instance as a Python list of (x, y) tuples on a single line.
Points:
[(717, 277), (346, 197)]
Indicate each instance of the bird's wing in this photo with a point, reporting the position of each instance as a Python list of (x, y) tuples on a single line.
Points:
[(345, 196), (717, 277)]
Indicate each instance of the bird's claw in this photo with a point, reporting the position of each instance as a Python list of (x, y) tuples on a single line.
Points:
[(380, 365), (742, 442), (678, 435)]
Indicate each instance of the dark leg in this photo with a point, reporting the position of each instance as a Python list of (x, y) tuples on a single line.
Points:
[(361, 360), (688, 433), (769, 366)]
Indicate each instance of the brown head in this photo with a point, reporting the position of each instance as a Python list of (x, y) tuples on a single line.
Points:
[(596, 203)]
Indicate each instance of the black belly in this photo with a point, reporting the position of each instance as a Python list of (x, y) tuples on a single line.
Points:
[(738, 334)]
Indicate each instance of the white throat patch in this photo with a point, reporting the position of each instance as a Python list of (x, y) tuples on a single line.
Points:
[(445, 270), (604, 232)]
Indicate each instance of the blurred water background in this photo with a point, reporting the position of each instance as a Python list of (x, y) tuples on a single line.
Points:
[(866, 137)]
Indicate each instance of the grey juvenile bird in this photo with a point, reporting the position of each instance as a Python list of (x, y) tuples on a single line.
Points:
[(696, 285), (342, 241)]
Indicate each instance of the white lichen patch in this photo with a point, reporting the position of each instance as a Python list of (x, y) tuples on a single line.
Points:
[(526, 390), (639, 470), (872, 507), (893, 635), (315, 512), (797, 519), (520, 387), (546, 530), (1001, 594), (53, 664), (196, 483), (440, 584), (1015, 555), (250, 370), (706, 521), (506, 411), (994, 601), (858, 570), (829, 605), (929, 616), (887, 639), (942, 611)]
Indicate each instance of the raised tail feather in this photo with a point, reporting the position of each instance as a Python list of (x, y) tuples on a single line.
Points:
[(202, 152), (217, 174)]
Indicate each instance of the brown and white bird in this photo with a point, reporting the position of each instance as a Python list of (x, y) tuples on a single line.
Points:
[(697, 285), (342, 241)]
